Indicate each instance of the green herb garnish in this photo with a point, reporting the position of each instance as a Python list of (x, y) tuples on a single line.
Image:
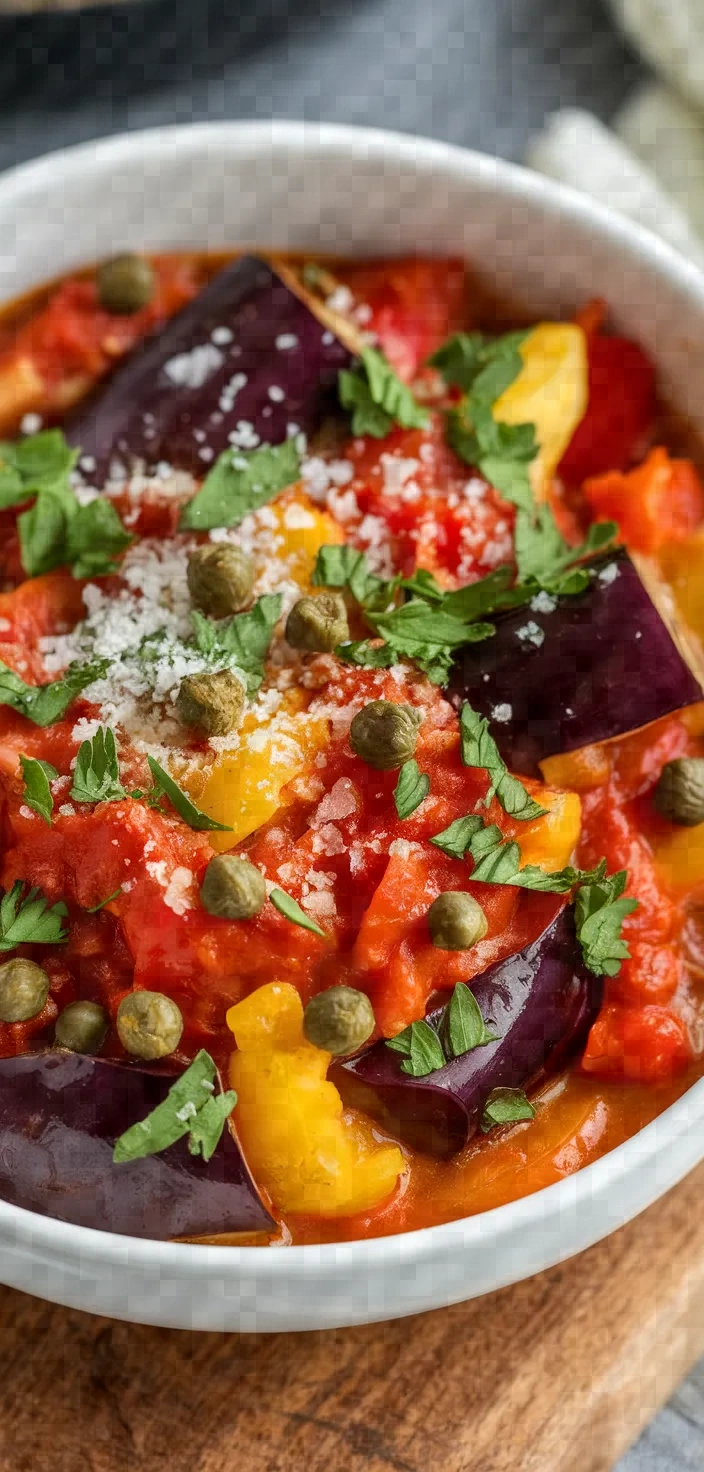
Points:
[(242, 640), (190, 1108), (239, 482), (506, 1106), (32, 465), (484, 369), (291, 910), (599, 914), (377, 398), (30, 920), (93, 909), (479, 749), (427, 635), (343, 567), (421, 1047), (411, 788), (96, 776), (463, 1027), (164, 785), (44, 704), (57, 529), (37, 792)]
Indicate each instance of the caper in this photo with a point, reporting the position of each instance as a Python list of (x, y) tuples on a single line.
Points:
[(232, 888), (125, 284), (24, 988), (456, 921), (220, 579), (213, 703), (319, 624), (81, 1027), (385, 734), (679, 794), (149, 1024), (339, 1020)]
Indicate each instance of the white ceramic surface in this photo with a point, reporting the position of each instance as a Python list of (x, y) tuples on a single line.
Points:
[(335, 188)]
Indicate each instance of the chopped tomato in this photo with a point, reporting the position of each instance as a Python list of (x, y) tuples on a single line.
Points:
[(413, 305), (647, 1044), (620, 413), (660, 501)]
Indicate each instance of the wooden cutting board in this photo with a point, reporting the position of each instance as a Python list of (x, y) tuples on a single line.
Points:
[(558, 1374)]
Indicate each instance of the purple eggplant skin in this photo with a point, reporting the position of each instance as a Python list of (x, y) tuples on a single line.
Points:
[(540, 1003), (575, 670), (60, 1115), (246, 351)]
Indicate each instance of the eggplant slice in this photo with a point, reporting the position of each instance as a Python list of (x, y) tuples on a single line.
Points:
[(60, 1115), (567, 672), (540, 1003), (246, 358)]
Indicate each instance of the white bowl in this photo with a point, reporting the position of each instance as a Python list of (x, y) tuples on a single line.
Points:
[(362, 192)]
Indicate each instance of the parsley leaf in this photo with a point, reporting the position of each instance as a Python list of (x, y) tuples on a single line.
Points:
[(421, 1047), (545, 558), (37, 792), (30, 920), (29, 466), (599, 914), (366, 654), (455, 840), (96, 776), (505, 1106), (243, 639), (93, 909), (343, 567), (412, 787), (463, 1027), (239, 482), (95, 536), (479, 749), (291, 910), (484, 369), (428, 635), (57, 529), (45, 704), (165, 786), (190, 1108), (377, 397)]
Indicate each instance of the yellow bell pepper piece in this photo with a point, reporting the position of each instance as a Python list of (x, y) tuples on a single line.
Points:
[(679, 856), (244, 786), (682, 565), (550, 841), (309, 1155), (551, 392), (299, 530)]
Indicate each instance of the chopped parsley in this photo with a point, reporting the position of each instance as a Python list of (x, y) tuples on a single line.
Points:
[(600, 911), (32, 465), (484, 368), (37, 791), (479, 749), (377, 398), (93, 909), (421, 1048), (291, 910), (239, 482), (96, 776), (30, 921), (164, 786), (191, 1108), (506, 1106), (57, 529), (242, 640), (45, 704), (459, 1030), (411, 788)]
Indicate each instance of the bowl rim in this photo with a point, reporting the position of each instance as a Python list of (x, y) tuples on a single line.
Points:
[(573, 1192)]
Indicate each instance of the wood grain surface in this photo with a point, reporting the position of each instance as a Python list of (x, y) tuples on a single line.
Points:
[(554, 1375)]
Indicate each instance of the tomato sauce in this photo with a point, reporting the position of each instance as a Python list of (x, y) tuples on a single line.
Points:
[(646, 1046)]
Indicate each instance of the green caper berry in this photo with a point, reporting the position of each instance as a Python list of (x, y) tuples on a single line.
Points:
[(149, 1024), (213, 703), (125, 284), (384, 734), (679, 794), (339, 1020), (220, 579), (24, 988), (318, 625), (81, 1027), (456, 921), (232, 888)]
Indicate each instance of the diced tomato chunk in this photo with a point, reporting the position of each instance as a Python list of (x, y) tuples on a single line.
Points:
[(646, 1045), (414, 305), (660, 501), (620, 413)]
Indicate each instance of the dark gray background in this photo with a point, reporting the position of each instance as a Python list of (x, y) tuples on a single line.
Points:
[(477, 72)]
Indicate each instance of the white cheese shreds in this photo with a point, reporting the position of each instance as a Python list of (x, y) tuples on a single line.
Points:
[(531, 633), (543, 602), (502, 713), (193, 369)]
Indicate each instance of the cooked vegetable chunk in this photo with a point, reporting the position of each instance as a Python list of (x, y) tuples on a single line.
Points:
[(538, 1000), (569, 672), (60, 1115), (246, 358)]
